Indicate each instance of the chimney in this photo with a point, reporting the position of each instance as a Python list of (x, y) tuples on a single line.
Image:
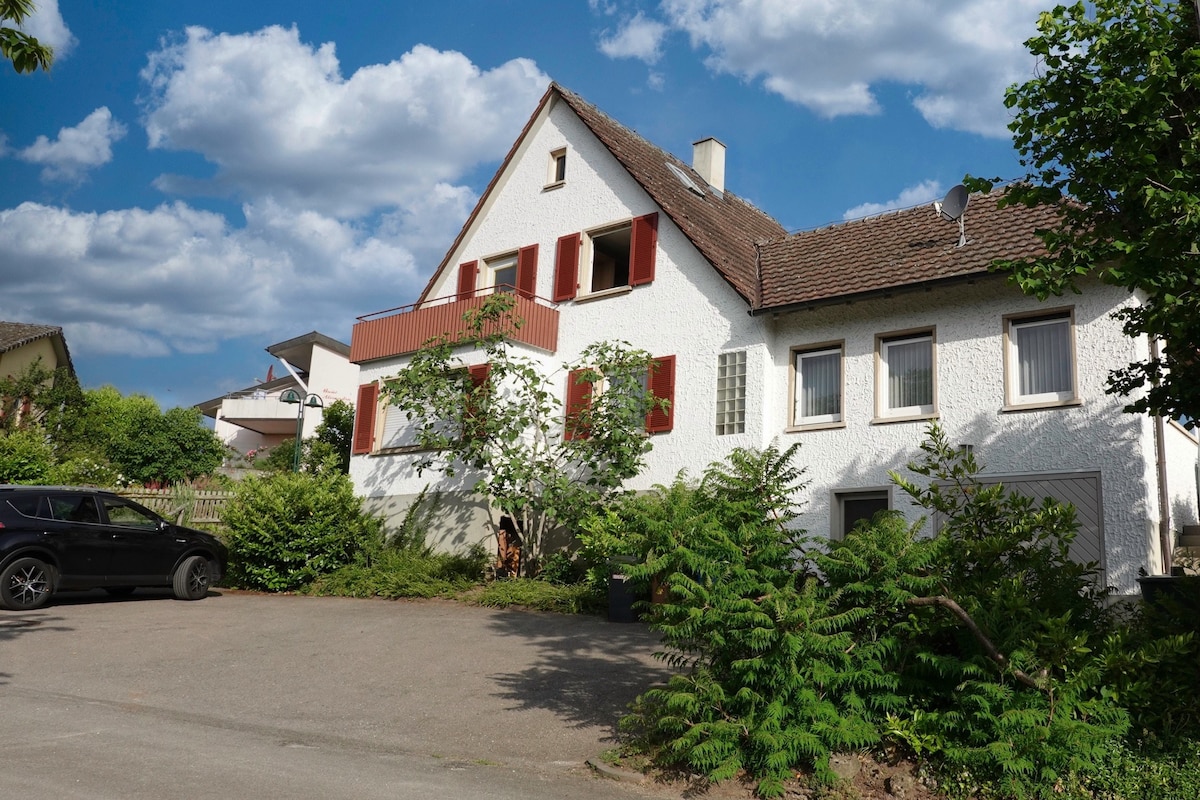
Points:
[(708, 158)]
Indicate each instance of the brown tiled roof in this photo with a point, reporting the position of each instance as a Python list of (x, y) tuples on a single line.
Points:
[(902, 248), (16, 334), (722, 226)]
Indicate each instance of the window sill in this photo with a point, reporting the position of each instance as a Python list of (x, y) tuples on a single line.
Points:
[(1051, 404), (401, 451), (616, 291), (905, 418), (816, 426), (550, 187)]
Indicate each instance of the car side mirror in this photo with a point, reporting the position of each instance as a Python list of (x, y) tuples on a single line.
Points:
[(163, 525)]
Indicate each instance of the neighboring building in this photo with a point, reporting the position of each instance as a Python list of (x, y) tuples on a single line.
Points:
[(849, 339), (255, 418), (22, 344)]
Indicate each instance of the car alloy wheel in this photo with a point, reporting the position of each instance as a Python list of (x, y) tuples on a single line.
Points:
[(25, 585)]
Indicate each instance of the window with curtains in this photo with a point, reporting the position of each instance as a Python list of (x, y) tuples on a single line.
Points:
[(1040, 359), (731, 392), (905, 375), (817, 386)]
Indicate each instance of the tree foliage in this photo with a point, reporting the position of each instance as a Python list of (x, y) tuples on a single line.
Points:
[(508, 431), (25, 52), (1111, 124)]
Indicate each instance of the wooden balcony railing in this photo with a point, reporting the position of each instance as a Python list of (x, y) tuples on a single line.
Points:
[(403, 330)]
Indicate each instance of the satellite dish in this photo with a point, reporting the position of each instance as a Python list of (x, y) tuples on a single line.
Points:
[(953, 204), (952, 207)]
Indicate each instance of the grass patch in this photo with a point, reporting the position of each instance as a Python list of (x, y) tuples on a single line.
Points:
[(408, 573), (538, 595), (402, 573)]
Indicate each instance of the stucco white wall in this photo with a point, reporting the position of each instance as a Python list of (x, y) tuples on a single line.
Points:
[(687, 311), (968, 325), (690, 312)]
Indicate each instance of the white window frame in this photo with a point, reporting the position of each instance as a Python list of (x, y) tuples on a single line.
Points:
[(1013, 324), (497, 264), (884, 411), (799, 422), (557, 156), (587, 259), (732, 368)]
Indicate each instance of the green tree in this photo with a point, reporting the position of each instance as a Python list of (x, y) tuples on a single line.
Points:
[(508, 430), (332, 438), (24, 51), (1111, 124)]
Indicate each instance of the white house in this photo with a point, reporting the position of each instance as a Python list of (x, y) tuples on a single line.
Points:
[(848, 339), (254, 418)]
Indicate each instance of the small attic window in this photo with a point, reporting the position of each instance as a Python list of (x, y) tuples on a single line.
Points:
[(685, 179), (556, 170)]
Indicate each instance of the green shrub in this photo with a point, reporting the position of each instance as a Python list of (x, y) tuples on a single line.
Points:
[(286, 529), (25, 457)]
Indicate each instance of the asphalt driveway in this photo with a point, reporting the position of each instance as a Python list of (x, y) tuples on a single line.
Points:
[(273, 696)]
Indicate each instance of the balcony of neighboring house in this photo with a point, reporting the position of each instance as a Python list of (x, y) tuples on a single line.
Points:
[(259, 411), (405, 329)]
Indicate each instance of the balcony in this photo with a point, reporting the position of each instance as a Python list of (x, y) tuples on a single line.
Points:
[(403, 330), (259, 412)]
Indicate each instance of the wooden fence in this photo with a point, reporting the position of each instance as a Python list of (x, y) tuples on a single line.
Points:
[(193, 507)]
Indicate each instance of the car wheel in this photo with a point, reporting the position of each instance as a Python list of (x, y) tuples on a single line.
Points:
[(191, 579), (25, 585), (119, 591)]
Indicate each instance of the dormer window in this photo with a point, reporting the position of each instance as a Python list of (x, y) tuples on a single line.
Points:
[(556, 172)]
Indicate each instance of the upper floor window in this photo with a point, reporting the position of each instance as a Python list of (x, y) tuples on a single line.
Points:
[(502, 272), (556, 172), (817, 386), (905, 375), (1040, 359), (731, 392), (605, 259)]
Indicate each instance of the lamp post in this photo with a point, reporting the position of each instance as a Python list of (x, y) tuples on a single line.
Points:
[(292, 397)]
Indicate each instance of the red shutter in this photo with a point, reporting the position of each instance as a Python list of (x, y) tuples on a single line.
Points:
[(364, 418), (579, 399), (566, 267), (467, 273), (643, 248), (479, 375), (527, 271), (662, 386)]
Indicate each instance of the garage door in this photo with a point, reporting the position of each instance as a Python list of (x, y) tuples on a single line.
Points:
[(1080, 489)]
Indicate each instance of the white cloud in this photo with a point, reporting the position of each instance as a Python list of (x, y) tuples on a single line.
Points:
[(638, 37), (177, 279), (833, 55), (923, 192), (46, 25), (278, 120), (76, 150)]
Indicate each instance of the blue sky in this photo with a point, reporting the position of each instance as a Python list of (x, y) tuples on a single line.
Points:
[(194, 181)]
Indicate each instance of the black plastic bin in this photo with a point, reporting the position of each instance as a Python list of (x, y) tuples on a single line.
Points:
[(621, 593)]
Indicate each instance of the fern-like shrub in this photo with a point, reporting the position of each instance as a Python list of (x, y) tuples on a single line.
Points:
[(286, 529)]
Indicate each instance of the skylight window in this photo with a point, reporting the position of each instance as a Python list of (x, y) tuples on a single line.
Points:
[(685, 179)]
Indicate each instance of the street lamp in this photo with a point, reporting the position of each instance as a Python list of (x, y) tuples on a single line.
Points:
[(292, 397)]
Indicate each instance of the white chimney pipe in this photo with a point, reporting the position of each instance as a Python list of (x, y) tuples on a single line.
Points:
[(708, 158)]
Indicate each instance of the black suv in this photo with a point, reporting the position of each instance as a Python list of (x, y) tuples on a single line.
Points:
[(62, 537)]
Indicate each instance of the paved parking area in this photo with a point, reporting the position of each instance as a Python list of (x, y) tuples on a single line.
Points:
[(250, 695)]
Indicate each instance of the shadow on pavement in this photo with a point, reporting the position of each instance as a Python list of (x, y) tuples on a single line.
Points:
[(587, 670)]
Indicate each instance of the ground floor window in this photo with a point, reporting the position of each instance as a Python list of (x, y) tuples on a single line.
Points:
[(852, 507)]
